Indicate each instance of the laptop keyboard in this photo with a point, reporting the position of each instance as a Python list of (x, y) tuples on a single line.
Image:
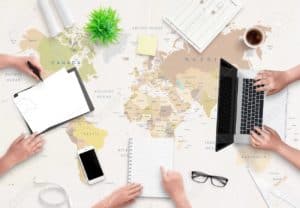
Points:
[(252, 107)]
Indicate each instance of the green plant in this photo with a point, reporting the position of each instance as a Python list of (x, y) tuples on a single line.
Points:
[(103, 26)]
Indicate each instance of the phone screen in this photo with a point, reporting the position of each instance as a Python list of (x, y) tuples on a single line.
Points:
[(91, 164)]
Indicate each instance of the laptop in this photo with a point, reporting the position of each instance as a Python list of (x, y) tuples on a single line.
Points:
[(240, 108)]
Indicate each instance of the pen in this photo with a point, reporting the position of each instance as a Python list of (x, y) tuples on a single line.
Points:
[(35, 70)]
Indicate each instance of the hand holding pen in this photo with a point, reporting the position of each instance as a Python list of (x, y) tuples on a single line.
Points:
[(30, 65)]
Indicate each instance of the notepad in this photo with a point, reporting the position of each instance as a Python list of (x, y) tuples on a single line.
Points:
[(147, 45), (200, 21), (58, 99), (145, 157)]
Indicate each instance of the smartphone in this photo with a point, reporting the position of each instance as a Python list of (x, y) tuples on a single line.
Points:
[(90, 164)]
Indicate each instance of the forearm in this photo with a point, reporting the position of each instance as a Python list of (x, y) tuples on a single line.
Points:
[(5, 164), (102, 204), (182, 201), (293, 74), (99, 205), (289, 153), (7, 61)]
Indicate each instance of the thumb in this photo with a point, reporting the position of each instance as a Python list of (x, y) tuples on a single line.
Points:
[(163, 172), (21, 137), (32, 74)]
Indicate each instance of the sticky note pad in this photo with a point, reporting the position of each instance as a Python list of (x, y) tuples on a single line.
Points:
[(147, 45)]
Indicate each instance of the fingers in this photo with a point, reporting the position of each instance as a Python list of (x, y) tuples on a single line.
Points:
[(29, 71), (163, 173), (130, 192), (255, 137), (38, 144), (35, 143), (262, 85), (259, 139), (30, 138), (261, 82), (253, 142), (34, 135), (271, 92), (135, 195), (35, 61), (135, 187), (136, 191), (263, 74), (19, 138), (261, 131), (269, 129), (262, 88), (37, 150), (32, 74)]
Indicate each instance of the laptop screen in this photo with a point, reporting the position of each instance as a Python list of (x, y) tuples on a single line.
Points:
[(226, 105)]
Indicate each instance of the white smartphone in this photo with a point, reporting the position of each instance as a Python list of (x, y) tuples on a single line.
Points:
[(90, 164)]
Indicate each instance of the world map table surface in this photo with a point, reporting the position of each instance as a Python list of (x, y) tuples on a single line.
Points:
[(172, 94)]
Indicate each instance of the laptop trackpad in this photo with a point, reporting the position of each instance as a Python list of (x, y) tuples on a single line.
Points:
[(275, 112)]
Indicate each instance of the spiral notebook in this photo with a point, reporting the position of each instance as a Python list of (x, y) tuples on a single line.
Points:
[(145, 157)]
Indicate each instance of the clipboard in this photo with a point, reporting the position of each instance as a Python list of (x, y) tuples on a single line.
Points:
[(86, 96)]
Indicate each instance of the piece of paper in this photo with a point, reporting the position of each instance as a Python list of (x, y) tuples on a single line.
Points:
[(147, 45), (145, 157), (58, 99), (199, 22)]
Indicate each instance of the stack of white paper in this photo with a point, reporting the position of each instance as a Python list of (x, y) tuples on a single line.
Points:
[(200, 21)]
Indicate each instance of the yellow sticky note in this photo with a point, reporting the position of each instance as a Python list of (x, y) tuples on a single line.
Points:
[(147, 45)]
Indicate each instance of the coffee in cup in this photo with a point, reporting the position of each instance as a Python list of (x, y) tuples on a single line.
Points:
[(254, 37)]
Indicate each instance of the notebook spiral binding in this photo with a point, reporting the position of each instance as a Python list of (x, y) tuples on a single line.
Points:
[(129, 153)]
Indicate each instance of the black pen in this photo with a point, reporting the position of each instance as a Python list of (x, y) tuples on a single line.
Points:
[(35, 70)]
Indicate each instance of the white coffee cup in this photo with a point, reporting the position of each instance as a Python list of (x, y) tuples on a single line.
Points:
[(254, 37)]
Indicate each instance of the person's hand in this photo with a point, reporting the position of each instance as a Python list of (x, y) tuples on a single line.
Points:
[(172, 183), (121, 197), (21, 64), (23, 148), (271, 81), (265, 138)]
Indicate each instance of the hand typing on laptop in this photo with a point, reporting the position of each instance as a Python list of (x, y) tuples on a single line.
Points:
[(274, 81), (267, 138), (241, 107)]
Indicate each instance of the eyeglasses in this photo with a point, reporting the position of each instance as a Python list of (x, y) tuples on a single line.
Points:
[(201, 177)]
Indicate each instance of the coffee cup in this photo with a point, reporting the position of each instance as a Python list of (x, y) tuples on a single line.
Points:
[(254, 37)]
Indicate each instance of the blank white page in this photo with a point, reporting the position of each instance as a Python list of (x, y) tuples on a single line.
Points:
[(145, 157), (55, 100)]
